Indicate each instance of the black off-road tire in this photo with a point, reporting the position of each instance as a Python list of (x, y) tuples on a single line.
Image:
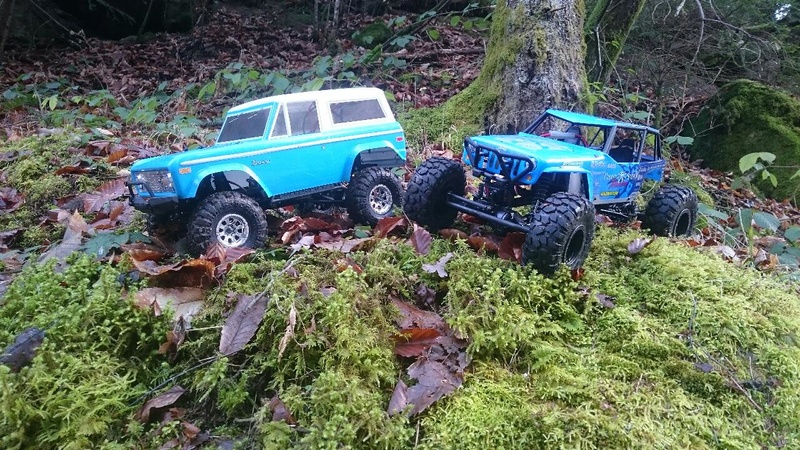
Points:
[(230, 218), (671, 212), (372, 195), (426, 194), (561, 232)]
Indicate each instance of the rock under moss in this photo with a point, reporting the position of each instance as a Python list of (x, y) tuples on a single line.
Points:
[(746, 117)]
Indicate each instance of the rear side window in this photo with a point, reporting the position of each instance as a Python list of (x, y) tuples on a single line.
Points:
[(279, 129), (244, 126), (303, 117), (353, 111)]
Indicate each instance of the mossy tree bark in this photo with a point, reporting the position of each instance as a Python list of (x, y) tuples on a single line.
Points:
[(607, 29), (534, 61)]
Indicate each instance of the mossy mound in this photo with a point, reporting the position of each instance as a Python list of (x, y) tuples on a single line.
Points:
[(746, 117), (667, 348)]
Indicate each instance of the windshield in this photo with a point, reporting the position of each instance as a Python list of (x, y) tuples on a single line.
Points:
[(245, 125)]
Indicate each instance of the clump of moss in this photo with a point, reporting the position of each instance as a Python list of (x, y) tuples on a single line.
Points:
[(746, 117), (99, 355), (32, 173)]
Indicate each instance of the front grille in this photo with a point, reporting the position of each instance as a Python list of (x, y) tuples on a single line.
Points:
[(157, 181)]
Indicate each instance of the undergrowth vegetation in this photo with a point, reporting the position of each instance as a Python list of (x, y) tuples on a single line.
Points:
[(669, 347)]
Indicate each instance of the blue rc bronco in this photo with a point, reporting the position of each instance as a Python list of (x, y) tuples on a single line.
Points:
[(549, 180), (308, 149)]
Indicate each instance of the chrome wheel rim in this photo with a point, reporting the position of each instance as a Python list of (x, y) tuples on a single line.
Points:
[(232, 230), (380, 199)]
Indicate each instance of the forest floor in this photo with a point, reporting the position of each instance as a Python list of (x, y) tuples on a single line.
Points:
[(356, 322)]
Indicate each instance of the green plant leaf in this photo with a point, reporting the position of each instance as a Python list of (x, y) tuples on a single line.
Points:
[(796, 174), (745, 218), (434, 34), (706, 210), (793, 234), (455, 20), (749, 160), (767, 221)]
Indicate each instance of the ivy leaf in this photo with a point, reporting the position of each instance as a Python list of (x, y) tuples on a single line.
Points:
[(243, 323)]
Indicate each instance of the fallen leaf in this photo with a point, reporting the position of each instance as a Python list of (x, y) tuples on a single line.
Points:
[(160, 401), (22, 351), (638, 244), (140, 251), (413, 317), (434, 381), (438, 266), (605, 300), (387, 225), (420, 240), (108, 191), (415, 341), (399, 400), (291, 322), (280, 413), (453, 234), (185, 302), (344, 246), (243, 323), (511, 247), (704, 367), (482, 244)]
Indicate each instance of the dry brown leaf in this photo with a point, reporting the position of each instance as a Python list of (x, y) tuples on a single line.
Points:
[(160, 401), (415, 341), (421, 240), (184, 301), (511, 247), (108, 191), (243, 323), (399, 400), (387, 225), (291, 322)]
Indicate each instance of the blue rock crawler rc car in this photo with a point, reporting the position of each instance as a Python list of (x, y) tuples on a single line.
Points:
[(307, 149), (549, 180)]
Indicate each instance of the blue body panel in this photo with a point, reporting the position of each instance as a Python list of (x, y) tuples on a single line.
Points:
[(280, 165), (609, 181)]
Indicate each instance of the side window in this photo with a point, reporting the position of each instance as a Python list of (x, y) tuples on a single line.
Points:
[(280, 124), (303, 117), (353, 111), (649, 152), (244, 125), (626, 145)]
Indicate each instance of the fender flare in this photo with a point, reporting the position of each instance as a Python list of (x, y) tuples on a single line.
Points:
[(231, 167)]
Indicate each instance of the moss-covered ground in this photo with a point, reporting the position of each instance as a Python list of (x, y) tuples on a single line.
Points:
[(667, 348)]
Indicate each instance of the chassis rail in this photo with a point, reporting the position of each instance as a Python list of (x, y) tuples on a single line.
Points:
[(483, 211)]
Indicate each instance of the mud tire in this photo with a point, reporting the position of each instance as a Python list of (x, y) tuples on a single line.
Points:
[(561, 232), (426, 194), (372, 195), (671, 212), (247, 223)]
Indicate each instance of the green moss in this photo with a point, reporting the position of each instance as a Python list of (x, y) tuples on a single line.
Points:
[(32, 173), (746, 117), (98, 355)]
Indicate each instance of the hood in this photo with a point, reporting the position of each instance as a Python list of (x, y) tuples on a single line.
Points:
[(542, 149), (158, 162)]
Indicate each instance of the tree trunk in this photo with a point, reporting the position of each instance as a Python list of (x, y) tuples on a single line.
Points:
[(534, 61), (607, 29)]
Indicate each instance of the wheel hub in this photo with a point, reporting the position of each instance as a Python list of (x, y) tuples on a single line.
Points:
[(380, 199), (232, 230)]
